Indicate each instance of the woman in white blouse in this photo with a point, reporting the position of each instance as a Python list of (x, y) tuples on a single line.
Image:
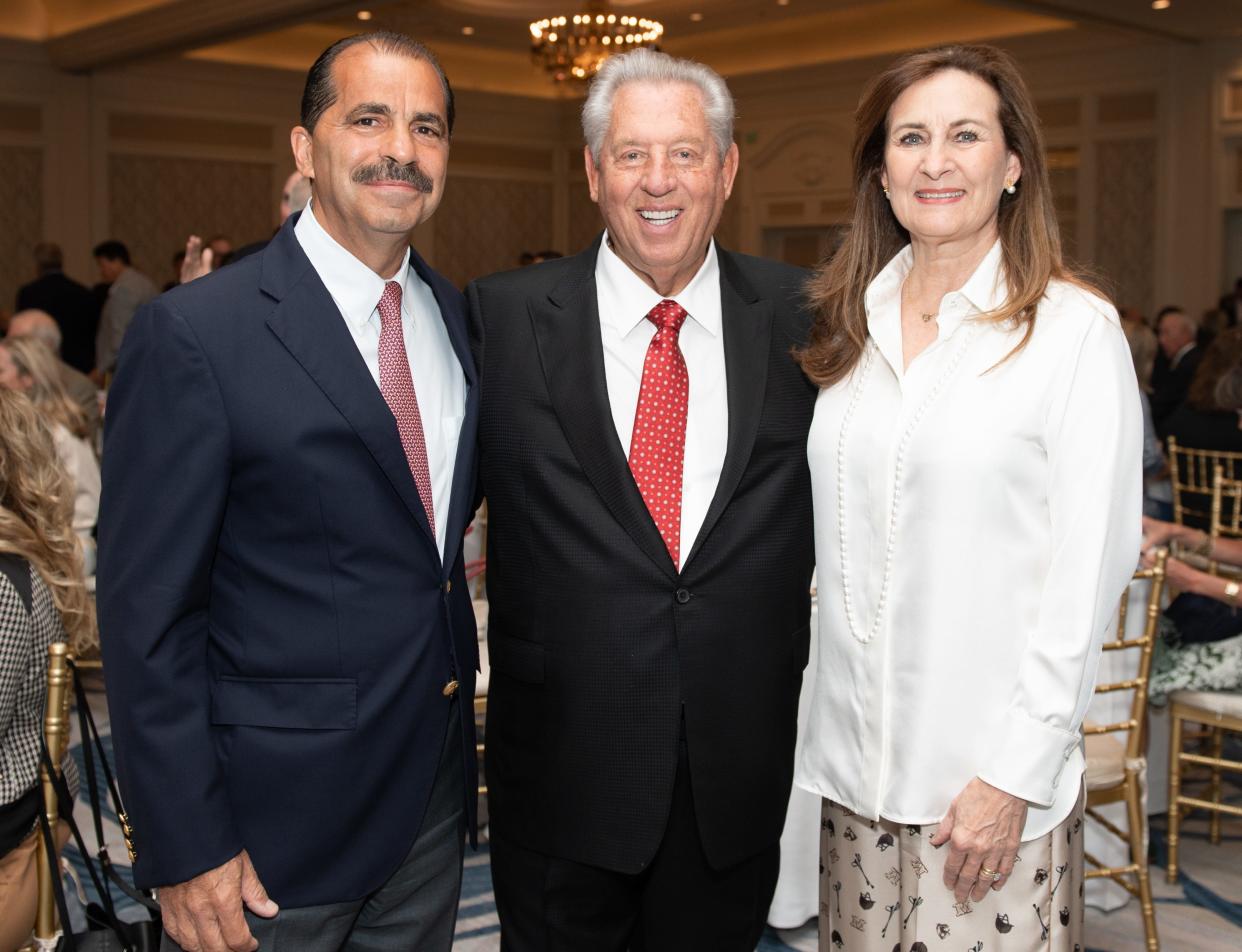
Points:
[(27, 365), (975, 456)]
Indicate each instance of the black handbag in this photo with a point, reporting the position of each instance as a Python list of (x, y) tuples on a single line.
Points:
[(105, 931)]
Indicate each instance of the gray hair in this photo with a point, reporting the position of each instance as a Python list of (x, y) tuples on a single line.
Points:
[(38, 325), (648, 66)]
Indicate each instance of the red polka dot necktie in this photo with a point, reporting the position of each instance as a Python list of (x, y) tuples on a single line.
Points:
[(658, 446), (398, 389)]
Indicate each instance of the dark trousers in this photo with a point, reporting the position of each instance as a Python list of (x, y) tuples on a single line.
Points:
[(416, 908), (679, 903)]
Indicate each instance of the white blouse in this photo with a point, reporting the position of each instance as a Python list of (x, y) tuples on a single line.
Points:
[(976, 523)]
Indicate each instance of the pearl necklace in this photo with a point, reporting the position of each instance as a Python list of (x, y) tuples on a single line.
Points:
[(899, 462)]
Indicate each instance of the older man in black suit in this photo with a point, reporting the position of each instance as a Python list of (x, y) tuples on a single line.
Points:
[(643, 451)]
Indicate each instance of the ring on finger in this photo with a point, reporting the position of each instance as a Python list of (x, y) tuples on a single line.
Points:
[(986, 873)]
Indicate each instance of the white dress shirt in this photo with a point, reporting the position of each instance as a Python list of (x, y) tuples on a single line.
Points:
[(438, 378), (624, 302), (1013, 492)]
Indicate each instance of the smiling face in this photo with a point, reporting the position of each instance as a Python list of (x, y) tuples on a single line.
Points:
[(378, 155), (661, 183), (945, 160)]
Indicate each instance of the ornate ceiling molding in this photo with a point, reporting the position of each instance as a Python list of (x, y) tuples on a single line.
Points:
[(175, 27)]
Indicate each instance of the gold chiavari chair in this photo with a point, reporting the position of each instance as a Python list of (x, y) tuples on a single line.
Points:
[(1116, 765), (1220, 711), (1190, 473), (56, 735)]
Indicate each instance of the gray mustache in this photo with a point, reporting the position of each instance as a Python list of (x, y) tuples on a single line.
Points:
[(392, 172)]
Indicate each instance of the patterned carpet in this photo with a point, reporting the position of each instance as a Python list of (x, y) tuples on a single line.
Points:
[(1200, 913)]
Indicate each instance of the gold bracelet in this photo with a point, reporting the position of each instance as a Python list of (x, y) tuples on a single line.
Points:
[(1231, 592)]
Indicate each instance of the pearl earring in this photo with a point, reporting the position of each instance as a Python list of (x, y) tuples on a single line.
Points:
[(1010, 188), (886, 194)]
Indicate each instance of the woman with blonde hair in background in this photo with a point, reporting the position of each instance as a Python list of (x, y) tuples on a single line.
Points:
[(28, 366), (42, 600), (975, 463)]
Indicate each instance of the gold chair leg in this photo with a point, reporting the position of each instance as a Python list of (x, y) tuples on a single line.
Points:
[(1138, 856), (1218, 749), (1175, 790)]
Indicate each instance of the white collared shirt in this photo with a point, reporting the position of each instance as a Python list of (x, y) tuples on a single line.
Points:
[(438, 379), (1177, 358), (625, 299), (1013, 492)]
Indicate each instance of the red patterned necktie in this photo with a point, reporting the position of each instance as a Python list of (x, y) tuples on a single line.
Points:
[(658, 446), (398, 389)]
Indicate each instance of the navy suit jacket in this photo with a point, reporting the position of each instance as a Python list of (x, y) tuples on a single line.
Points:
[(277, 623)]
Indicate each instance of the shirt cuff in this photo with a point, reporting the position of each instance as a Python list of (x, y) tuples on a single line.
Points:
[(1029, 758)]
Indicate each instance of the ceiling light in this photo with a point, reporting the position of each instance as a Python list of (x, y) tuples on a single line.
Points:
[(572, 48), (467, 31), (1161, 4), (364, 14), (782, 3), (696, 18)]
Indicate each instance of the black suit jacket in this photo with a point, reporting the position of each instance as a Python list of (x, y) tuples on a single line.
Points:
[(1169, 385), (276, 620), (75, 311), (599, 647)]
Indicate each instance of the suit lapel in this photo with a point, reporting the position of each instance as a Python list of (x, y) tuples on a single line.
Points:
[(571, 352), (462, 492), (307, 322), (747, 327)]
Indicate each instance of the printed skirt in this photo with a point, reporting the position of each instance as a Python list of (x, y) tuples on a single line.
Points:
[(881, 889)]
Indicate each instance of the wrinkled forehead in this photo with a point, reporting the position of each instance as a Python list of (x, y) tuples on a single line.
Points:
[(647, 111), (405, 83)]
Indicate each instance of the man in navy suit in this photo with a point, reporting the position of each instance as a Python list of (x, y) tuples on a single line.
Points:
[(288, 636)]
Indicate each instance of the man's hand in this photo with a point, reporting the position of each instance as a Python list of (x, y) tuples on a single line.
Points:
[(983, 827), (198, 260), (205, 914)]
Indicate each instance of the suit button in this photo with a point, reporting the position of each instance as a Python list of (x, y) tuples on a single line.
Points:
[(682, 596), (450, 689), (448, 586)]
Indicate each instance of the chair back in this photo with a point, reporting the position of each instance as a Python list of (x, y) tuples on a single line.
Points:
[(1226, 506), (1191, 473), (56, 735), (1132, 727)]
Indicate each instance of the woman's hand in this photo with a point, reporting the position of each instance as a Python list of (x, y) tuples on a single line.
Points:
[(1156, 533), (983, 828)]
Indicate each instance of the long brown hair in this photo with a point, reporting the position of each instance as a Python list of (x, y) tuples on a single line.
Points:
[(1223, 355), (36, 513), (1030, 240), (33, 359)]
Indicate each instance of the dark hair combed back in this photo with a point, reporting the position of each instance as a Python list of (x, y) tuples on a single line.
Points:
[(48, 256), (320, 92), (113, 250), (1030, 239)]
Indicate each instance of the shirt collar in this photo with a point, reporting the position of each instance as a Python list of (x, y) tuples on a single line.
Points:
[(984, 291), (354, 287), (1177, 358), (625, 299)]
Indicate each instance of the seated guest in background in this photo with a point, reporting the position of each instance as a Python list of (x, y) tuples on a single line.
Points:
[(27, 366), (287, 628), (42, 600), (71, 305), (1201, 630), (975, 458), (38, 325), (649, 545), (1179, 355), (1201, 421), (128, 290)]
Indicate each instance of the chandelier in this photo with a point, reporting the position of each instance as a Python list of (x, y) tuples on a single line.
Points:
[(571, 49)]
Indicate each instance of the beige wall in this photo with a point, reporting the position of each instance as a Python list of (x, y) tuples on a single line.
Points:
[(1145, 140)]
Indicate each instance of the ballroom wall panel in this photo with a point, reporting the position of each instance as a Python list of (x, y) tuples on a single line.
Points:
[(21, 212), (483, 224), (155, 201), (1126, 223)]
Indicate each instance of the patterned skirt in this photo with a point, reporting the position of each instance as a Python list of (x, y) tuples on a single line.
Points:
[(881, 889)]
